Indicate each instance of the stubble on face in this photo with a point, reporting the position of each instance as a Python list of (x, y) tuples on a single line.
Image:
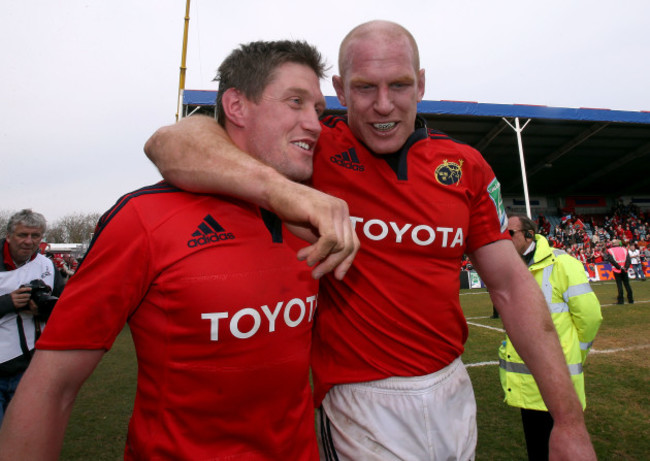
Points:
[(283, 127)]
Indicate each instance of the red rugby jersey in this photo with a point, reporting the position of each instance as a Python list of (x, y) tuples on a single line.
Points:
[(221, 318), (397, 312)]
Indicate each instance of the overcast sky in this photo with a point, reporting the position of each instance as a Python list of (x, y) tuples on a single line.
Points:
[(84, 83)]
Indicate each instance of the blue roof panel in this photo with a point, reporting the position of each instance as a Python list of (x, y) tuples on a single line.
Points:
[(208, 97)]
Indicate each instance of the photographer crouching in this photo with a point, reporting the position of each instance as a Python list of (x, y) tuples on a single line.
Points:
[(26, 299)]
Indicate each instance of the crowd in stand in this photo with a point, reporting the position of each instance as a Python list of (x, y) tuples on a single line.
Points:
[(587, 237)]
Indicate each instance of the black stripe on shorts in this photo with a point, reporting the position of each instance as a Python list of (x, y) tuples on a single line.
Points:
[(326, 437)]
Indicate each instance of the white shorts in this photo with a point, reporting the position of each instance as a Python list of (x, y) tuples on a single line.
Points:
[(419, 418)]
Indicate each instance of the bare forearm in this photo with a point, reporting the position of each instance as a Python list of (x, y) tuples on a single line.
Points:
[(531, 331), (34, 427), (35, 422), (525, 316), (197, 155)]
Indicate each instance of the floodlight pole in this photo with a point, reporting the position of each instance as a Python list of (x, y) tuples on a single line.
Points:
[(181, 82), (518, 130)]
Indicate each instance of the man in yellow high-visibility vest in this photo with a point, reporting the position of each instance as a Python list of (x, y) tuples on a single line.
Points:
[(576, 314)]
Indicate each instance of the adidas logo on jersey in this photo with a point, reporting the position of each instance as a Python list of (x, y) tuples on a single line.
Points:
[(348, 159), (208, 231)]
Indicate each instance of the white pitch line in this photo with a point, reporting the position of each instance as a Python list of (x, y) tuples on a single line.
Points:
[(626, 304), (480, 364), (475, 293), (593, 351), (620, 349), (486, 326)]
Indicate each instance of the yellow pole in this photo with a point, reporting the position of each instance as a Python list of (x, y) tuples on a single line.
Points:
[(181, 82)]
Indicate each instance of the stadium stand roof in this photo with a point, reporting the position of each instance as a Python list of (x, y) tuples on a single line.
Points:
[(567, 152)]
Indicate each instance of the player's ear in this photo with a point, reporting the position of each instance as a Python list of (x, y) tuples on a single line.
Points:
[(337, 83), (421, 81), (235, 106)]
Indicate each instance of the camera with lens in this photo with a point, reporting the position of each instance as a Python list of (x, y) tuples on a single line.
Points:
[(41, 294)]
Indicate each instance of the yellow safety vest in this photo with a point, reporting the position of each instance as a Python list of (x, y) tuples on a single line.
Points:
[(575, 311)]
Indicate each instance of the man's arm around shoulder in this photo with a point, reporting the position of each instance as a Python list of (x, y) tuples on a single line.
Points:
[(197, 155)]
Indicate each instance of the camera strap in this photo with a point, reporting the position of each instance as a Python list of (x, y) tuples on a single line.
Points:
[(37, 328), (21, 334)]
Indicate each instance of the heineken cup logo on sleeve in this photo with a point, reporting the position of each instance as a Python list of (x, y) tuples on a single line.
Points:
[(494, 189)]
